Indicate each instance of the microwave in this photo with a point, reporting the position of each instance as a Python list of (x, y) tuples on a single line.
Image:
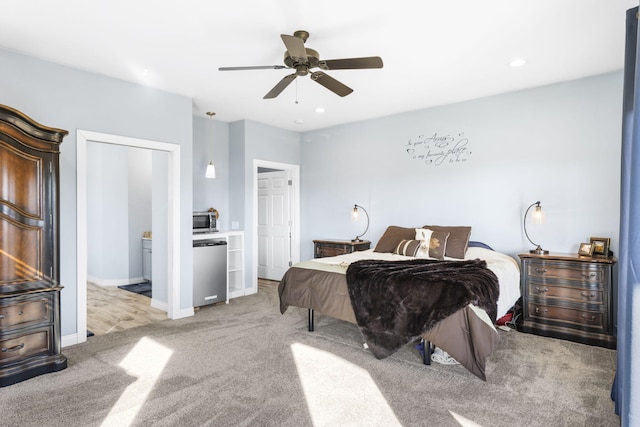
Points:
[(205, 222)]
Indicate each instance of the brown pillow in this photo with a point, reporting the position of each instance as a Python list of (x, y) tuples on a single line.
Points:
[(392, 236), (458, 240), (438, 244)]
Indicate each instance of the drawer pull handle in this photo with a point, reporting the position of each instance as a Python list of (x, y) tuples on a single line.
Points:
[(541, 290), (591, 275), (538, 311), (591, 295), (14, 348), (541, 270), (2, 316), (592, 319)]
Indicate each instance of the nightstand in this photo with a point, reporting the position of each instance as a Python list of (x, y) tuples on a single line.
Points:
[(568, 296), (326, 248)]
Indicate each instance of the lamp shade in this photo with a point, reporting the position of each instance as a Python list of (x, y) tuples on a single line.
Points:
[(211, 171)]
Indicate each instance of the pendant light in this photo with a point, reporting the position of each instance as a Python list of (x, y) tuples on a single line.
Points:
[(211, 169)]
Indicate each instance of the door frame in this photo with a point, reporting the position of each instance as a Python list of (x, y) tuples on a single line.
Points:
[(173, 220), (294, 201)]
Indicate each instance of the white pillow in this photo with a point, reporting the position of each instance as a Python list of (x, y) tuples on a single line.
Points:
[(424, 236)]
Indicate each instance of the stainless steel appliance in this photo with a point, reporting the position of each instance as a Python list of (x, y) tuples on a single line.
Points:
[(205, 222), (209, 271)]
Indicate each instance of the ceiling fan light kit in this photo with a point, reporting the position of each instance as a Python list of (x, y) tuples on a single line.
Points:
[(303, 59)]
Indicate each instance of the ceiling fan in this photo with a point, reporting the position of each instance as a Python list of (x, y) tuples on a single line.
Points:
[(302, 59)]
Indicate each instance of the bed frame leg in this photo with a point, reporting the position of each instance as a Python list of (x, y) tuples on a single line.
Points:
[(426, 351), (311, 320)]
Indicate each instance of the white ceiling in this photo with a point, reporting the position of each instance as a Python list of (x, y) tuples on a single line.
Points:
[(434, 52)]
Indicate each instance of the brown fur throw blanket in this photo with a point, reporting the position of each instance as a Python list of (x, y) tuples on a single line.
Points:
[(397, 301)]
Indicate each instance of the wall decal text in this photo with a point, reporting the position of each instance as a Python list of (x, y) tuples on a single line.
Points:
[(436, 150)]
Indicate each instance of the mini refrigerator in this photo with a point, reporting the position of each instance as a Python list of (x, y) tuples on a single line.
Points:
[(209, 271)]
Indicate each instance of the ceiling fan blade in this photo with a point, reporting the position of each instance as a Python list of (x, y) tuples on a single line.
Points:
[(255, 67), (351, 63), (330, 83), (282, 84), (295, 46)]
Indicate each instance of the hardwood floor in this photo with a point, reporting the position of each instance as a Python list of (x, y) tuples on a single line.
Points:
[(112, 309)]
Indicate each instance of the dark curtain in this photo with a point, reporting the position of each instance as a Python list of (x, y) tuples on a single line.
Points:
[(629, 256)]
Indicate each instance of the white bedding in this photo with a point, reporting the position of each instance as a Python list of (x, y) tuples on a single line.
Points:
[(503, 266)]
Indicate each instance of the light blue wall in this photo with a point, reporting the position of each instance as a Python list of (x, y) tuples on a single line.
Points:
[(118, 212), (559, 144), (237, 173), (211, 142), (71, 99), (140, 209), (251, 141), (107, 213)]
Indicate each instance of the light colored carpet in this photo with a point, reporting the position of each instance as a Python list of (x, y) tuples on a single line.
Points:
[(244, 364)]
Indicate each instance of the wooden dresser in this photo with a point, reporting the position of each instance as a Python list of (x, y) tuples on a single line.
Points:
[(29, 248), (568, 296), (325, 248)]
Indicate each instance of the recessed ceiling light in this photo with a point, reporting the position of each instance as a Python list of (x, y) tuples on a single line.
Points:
[(320, 110), (299, 121), (519, 62)]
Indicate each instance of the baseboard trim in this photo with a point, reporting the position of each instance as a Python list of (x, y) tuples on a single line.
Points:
[(114, 282), (69, 340), (160, 305), (184, 312)]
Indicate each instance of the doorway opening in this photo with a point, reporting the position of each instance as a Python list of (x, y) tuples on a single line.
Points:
[(276, 218), (169, 243)]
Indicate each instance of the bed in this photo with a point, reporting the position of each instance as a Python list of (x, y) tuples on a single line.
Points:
[(465, 331)]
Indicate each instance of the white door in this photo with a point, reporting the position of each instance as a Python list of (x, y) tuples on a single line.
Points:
[(274, 224)]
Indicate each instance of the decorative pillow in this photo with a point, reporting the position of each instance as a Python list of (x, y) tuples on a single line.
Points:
[(438, 244), (458, 241), (424, 236), (408, 248), (392, 237)]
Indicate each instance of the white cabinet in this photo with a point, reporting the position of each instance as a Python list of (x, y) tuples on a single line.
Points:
[(146, 259), (235, 259)]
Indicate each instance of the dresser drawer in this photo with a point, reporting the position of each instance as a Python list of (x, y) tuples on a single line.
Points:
[(23, 312), (13, 349), (327, 251), (585, 273), (328, 248), (591, 319), (594, 296)]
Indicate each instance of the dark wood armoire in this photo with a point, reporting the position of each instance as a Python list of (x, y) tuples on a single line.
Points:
[(29, 248)]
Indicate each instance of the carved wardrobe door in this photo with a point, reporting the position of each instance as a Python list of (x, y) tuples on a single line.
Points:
[(29, 248)]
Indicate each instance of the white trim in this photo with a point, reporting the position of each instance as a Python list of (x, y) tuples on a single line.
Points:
[(113, 282), (71, 339), (294, 171), (160, 305), (173, 223)]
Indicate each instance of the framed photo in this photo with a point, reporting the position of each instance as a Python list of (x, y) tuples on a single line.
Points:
[(586, 249), (600, 246)]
